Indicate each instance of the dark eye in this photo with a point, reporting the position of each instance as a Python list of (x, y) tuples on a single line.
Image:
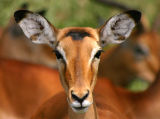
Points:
[(58, 54), (98, 54), (141, 50)]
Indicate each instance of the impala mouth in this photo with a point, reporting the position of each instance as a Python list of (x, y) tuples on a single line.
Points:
[(80, 109)]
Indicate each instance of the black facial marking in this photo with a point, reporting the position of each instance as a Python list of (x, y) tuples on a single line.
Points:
[(20, 14), (134, 14), (77, 35)]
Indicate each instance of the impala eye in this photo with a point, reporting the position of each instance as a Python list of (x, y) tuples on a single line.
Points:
[(141, 50), (58, 54), (98, 54)]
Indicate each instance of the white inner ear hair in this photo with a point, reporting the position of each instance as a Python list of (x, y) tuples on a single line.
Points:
[(37, 29), (118, 28)]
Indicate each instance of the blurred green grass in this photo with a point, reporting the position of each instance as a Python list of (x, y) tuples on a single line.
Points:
[(138, 85), (63, 13)]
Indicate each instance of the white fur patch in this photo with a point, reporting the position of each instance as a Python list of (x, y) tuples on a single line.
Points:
[(94, 51), (86, 103), (60, 49), (36, 25), (76, 104)]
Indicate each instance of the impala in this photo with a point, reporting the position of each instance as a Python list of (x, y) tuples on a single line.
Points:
[(23, 49), (78, 51), (23, 91), (24, 87), (138, 57), (116, 103)]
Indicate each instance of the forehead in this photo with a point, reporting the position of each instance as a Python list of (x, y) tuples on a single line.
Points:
[(78, 33), (77, 38)]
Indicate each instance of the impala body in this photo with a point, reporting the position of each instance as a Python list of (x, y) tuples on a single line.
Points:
[(24, 87)]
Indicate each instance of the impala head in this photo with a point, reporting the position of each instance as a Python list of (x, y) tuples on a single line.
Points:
[(77, 49), (141, 55)]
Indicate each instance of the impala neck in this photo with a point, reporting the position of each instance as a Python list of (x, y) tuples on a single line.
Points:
[(148, 102), (91, 113)]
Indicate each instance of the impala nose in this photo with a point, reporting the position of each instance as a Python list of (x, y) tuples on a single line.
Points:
[(79, 98)]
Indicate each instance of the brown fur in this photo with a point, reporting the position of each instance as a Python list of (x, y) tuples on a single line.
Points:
[(1, 30), (111, 102), (23, 87), (21, 49), (122, 60), (78, 63), (18, 47)]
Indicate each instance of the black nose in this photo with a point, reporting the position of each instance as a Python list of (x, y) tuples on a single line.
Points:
[(79, 99)]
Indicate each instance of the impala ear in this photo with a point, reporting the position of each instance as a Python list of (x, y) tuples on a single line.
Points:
[(36, 27), (119, 27)]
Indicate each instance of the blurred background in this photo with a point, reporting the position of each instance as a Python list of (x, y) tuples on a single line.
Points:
[(26, 82), (64, 13)]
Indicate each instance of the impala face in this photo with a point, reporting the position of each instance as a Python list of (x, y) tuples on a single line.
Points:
[(77, 50), (78, 64), (142, 53)]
